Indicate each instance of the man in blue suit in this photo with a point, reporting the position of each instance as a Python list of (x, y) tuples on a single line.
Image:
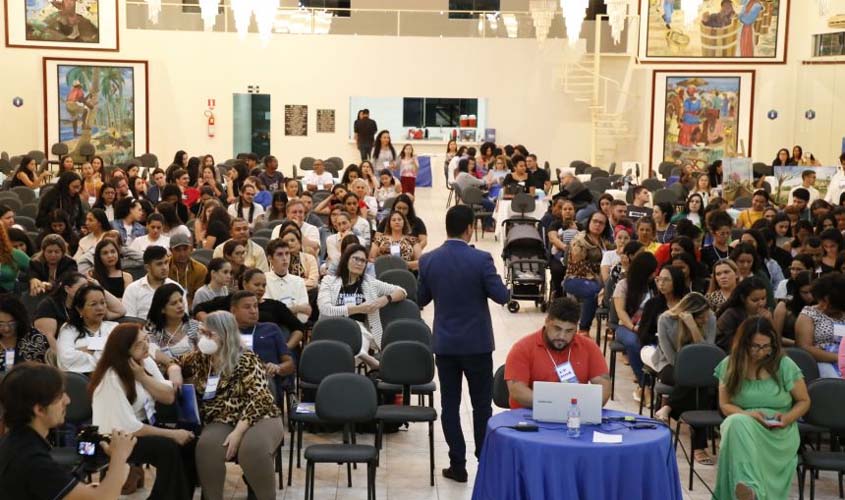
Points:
[(460, 279)]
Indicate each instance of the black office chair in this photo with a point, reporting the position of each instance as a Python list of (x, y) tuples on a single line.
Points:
[(694, 367), (78, 412), (407, 363), (501, 394), (387, 262), (319, 359), (416, 331), (404, 309), (346, 399), (473, 197), (826, 411), (401, 278), (340, 329)]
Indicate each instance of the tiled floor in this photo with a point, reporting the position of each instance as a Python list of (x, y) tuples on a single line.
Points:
[(403, 474)]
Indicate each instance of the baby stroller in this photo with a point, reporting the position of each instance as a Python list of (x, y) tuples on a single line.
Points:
[(524, 256)]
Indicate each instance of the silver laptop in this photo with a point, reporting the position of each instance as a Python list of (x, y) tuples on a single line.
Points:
[(552, 401)]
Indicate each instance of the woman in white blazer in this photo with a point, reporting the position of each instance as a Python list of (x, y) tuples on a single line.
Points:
[(82, 339), (354, 294)]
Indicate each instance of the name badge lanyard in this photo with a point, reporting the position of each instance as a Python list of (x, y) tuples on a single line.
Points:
[(211, 385), (249, 339), (565, 372)]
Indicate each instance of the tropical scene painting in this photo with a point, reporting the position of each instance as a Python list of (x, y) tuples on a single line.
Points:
[(97, 105), (700, 119), (76, 21), (713, 29)]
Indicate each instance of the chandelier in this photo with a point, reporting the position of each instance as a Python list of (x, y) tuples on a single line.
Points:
[(208, 11), (690, 10), (153, 10), (303, 22), (617, 11), (242, 9), (542, 12), (265, 16), (824, 7), (574, 12), (511, 25)]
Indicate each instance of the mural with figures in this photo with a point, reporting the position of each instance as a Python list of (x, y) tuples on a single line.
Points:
[(96, 105), (63, 20), (729, 30)]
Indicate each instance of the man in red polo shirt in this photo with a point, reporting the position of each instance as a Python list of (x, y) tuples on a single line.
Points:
[(555, 354)]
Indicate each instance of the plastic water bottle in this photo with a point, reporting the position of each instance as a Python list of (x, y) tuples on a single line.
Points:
[(573, 420)]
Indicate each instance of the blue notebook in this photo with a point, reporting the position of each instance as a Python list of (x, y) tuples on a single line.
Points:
[(186, 402)]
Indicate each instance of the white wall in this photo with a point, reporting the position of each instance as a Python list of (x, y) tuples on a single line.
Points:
[(185, 69), (517, 77)]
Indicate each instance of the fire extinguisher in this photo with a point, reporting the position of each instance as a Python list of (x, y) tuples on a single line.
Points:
[(210, 126)]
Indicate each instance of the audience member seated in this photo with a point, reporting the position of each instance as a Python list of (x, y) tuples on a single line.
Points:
[(107, 268), (787, 311), (174, 219), (518, 180), (318, 179), (96, 223), (360, 226), (287, 288), (555, 353), (629, 297), (310, 234), (34, 401), (693, 282), (748, 299), (354, 294), (106, 200), (49, 264), (216, 282), (799, 264), (405, 206), (234, 253), (172, 332), (583, 278), (758, 384), (723, 281), (397, 241), (64, 195), (770, 267), (246, 208), (670, 291), (720, 225), (368, 202), (273, 311), (749, 264), (662, 215), (690, 321), (184, 270), (638, 209), (124, 389), (127, 220), (750, 215), (154, 236), (242, 420), (239, 232), (81, 340), (302, 264), (18, 339), (335, 199), (817, 325), (59, 224), (387, 188), (339, 223), (139, 295)]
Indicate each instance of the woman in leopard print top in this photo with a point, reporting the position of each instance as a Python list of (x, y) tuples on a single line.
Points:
[(238, 411)]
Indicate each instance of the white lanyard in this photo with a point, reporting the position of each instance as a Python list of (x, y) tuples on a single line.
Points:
[(565, 372), (249, 338)]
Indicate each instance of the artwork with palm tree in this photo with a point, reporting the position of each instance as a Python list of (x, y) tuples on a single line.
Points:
[(96, 105), (62, 24)]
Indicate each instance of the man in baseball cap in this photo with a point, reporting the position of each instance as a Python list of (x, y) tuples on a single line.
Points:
[(189, 273)]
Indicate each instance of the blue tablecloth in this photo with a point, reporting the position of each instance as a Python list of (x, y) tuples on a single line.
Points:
[(424, 173), (549, 465)]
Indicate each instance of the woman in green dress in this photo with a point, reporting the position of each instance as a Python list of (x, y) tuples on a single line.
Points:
[(762, 393)]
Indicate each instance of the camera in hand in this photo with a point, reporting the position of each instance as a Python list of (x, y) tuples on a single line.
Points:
[(88, 446)]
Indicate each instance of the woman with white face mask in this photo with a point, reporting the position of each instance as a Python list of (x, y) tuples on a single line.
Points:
[(241, 418)]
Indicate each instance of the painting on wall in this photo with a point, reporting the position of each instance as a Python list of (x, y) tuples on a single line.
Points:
[(699, 117), (296, 119), (325, 121), (738, 180), (733, 31), (97, 102), (62, 24), (789, 178)]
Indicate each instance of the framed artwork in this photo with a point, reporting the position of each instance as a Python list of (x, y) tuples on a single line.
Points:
[(325, 121), (790, 178), (62, 24), (720, 31), (296, 119), (699, 117), (738, 178), (98, 102)]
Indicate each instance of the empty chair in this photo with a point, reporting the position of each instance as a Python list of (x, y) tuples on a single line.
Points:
[(653, 184), (25, 194), (665, 169), (260, 241), (11, 201), (306, 163), (401, 278), (473, 197), (345, 399), (501, 394), (148, 160), (404, 309), (602, 183), (415, 331), (87, 150), (36, 155), (827, 411), (387, 262), (318, 360), (407, 363), (742, 202), (597, 173), (262, 233), (665, 196), (78, 411)]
